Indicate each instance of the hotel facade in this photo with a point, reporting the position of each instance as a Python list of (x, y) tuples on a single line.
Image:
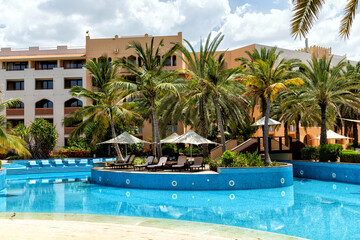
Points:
[(42, 78)]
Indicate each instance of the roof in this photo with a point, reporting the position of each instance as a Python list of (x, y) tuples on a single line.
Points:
[(42, 57)]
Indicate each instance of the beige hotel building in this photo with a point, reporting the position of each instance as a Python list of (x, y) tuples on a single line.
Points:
[(42, 78)]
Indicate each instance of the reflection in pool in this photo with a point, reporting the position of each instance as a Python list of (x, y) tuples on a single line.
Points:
[(310, 209)]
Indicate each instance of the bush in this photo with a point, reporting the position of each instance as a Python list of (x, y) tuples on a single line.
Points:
[(329, 152), (227, 158), (58, 156), (215, 163), (194, 150), (350, 146), (168, 149), (309, 153), (0, 164), (138, 161), (14, 157), (248, 160), (71, 152), (349, 156)]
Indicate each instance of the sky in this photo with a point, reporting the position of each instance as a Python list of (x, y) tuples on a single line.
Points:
[(48, 23)]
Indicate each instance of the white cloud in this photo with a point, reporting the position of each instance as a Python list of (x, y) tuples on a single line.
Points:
[(53, 22)]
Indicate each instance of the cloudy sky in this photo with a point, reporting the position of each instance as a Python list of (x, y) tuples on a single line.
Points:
[(49, 23)]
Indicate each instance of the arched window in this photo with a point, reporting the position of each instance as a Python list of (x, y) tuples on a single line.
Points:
[(174, 60), (168, 61), (132, 59), (44, 104), (19, 106), (73, 103), (139, 62)]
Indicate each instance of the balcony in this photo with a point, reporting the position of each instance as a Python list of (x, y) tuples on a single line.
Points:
[(68, 130), (15, 112), (68, 110), (44, 111)]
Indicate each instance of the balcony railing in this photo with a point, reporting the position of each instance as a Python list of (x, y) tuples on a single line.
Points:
[(68, 130), (68, 110), (15, 112), (44, 111)]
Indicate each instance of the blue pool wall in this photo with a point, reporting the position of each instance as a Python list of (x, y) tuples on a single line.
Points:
[(225, 179), (20, 167), (335, 172), (2, 178)]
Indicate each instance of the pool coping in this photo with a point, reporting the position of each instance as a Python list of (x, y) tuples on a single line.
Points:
[(200, 228)]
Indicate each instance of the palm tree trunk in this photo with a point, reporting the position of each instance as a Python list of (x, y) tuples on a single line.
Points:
[(153, 146), (156, 129), (286, 133), (220, 124), (118, 152), (323, 138), (355, 135), (266, 132), (203, 127), (263, 110), (297, 135)]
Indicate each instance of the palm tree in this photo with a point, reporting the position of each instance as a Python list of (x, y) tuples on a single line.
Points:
[(224, 90), (196, 63), (108, 106), (268, 78), (328, 88), (307, 11), (150, 77), (7, 140)]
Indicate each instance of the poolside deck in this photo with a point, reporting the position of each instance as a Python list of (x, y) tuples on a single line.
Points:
[(145, 171)]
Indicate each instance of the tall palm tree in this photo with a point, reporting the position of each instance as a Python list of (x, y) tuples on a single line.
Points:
[(196, 63), (108, 108), (328, 88), (7, 140), (268, 78), (150, 77), (307, 11)]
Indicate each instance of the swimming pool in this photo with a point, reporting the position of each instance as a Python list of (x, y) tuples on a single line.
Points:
[(310, 209)]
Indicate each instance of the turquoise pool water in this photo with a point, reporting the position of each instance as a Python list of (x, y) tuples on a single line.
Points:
[(310, 209)]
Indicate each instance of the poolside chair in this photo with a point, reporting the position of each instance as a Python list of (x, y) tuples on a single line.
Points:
[(125, 164), (149, 161), (33, 164), (159, 165), (96, 160), (180, 163), (198, 164), (126, 159), (71, 163), (45, 163), (58, 163), (83, 162)]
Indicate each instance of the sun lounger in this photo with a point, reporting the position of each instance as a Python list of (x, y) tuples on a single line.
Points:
[(126, 159), (125, 164), (96, 160), (180, 163), (58, 163), (159, 165), (71, 163), (198, 164), (149, 161), (33, 164), (83, 162), (45, 163)]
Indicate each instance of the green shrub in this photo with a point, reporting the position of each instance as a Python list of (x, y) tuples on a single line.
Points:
[(215, 163), (329, 152), (227, 158), (168, 149), (309, 153), (350, 146), (58, 156), (14, 157), (0, 164), (206, 160), (248, 159), (349, 156), (138, 161), (194, 150)]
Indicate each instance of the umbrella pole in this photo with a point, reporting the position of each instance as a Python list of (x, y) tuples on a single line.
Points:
[(125, 150), (191, 151)]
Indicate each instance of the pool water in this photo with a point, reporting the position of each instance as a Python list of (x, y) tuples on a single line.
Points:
[(309, 209)]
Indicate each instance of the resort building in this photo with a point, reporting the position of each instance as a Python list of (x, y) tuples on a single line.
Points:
[(42, 79)]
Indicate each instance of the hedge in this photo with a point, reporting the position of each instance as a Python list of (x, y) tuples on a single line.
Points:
[(350, 156)]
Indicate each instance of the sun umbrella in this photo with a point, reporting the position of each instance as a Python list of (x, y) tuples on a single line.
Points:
[(169, 138), (333, 135), (125, 138), (261, 122), (191, 137)]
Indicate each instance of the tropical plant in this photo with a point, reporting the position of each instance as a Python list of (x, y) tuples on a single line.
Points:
[(151, 79), (108, 108), (330, 152), (307, 11), (266, 78), (326, 87), (227, 158)]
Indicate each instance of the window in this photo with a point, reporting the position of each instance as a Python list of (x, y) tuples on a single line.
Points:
[(271, 129), (15, 85), (44, 104), (73, 103), (69, 83), (45, 65), (132, 59), (292, 128), (168, 61), (43, 84), (16, 66), (14, 122), (139, 62), (73, 64), (19, 106), (174, 60), (73, 123)]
